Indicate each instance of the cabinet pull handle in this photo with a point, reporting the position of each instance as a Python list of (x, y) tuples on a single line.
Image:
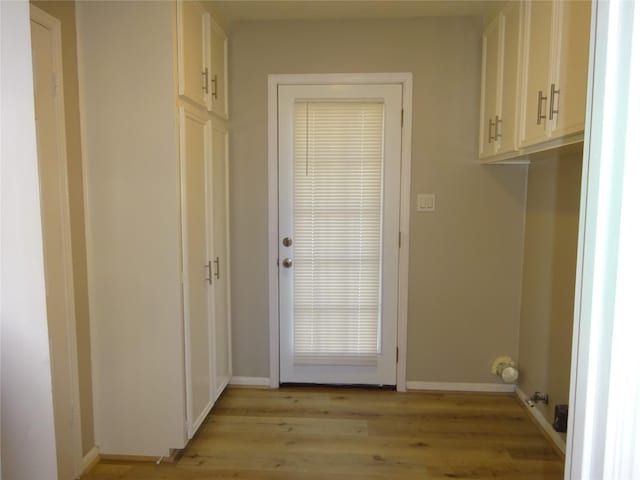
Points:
[(491, 125), (214, 81), (217, 264), (208, 278), (540, 99), (205, 74), (498, 133), (554, 94)]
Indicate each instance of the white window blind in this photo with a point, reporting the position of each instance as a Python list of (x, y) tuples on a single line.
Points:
[(338, 220)]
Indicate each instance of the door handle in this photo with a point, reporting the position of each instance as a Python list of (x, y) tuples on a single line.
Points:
[(217, 264), (498, 133), (205, 75), (287, 263), (540, 116), (214, 82), (208, 267), (554, 94)]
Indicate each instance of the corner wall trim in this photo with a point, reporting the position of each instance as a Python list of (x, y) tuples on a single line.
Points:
[(89, 460), (461, 387), (250, 381), (541, 420)]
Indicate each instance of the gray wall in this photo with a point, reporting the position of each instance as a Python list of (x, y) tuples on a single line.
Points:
[(548, 289), (465, 260)]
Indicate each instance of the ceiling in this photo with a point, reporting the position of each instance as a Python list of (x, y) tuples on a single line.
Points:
[(255, 10)]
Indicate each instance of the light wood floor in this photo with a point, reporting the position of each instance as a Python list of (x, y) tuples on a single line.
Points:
[(351, 434)]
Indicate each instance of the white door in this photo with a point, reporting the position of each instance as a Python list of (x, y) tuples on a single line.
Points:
[(56, 233), (339, 207), (197, 264)]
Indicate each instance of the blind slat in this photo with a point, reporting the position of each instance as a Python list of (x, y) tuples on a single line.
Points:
[(337, 216)]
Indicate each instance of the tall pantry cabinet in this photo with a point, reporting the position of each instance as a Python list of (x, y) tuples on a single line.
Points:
[(154, 110)]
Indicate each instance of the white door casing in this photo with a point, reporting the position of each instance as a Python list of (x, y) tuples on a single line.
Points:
[(395, 94), (56, 229), (274, 81)]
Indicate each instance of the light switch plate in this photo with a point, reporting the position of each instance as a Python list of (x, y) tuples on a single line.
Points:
[(426, 202)]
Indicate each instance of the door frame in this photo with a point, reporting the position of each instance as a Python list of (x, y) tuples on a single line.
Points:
[(404, 79), (54, 25)]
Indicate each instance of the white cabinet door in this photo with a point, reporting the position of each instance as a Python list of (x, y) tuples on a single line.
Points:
[(567, 101), (491, 40), (193, 70), (221, 256), (197, 265), (507, 125), (218, 69), (538, 22)]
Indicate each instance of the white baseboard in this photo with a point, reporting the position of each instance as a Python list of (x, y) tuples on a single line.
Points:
[(555, 437), (462, 387), (224, 384), (250, 381), (89, 460)]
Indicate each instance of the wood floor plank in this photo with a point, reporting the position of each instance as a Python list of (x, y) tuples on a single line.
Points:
[(354, 434)]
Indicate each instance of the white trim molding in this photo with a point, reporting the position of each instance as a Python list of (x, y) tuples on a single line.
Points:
[(404, 79), (542, 421), (54, 26), (604, 411), (261, 382), (460, 387)]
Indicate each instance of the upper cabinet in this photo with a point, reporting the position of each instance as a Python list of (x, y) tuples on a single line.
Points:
[(500, 74), (192, 52), (556, 57), (510, 88), (218, 69), (491, 70), (540, 58), (567, 102), (202, 58)]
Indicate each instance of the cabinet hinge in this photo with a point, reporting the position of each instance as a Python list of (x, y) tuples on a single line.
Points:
[(402, 117), (399, 239), (397, 354)]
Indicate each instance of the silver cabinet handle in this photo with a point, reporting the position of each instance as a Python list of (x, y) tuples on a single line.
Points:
[(498, 133), (491, 125), (214, 81), (540, 99), (205, 74), (287, 263), (554, 95), (217, 264), (287, 241), (208, 278)]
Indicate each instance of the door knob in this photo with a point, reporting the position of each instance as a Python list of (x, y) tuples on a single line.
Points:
[(287, 263)]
